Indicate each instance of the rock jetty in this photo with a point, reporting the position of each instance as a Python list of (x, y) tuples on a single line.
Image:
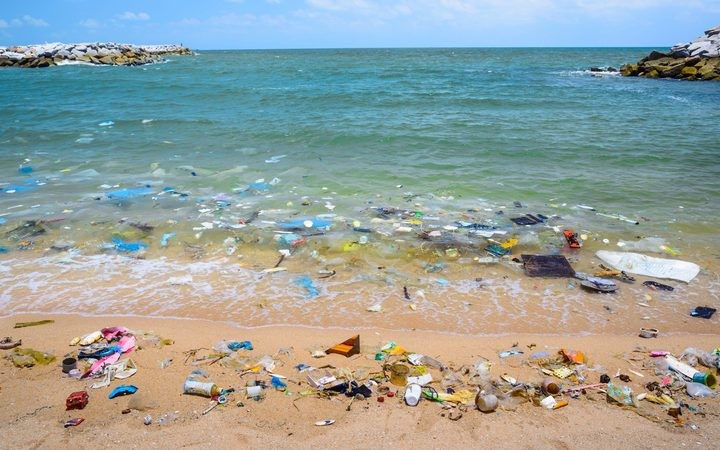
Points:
[(696, 60), (54, 54)]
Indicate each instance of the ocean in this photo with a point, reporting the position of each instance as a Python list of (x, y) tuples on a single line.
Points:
[(351, 187)]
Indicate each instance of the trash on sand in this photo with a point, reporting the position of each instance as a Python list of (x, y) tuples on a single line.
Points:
[(195, 387), (27, 357), (413, 392), (32, 324), (77, 400), (486, 402), (654, 285), (547, 266), (573, 356), (325, 422), (650, 266), (506, 353), (123, 389), (620, 394), (7, 343), (347, 348), (318, 379), (704, 312), (648, 333), (398, 374), (74, 422), (708, 379)]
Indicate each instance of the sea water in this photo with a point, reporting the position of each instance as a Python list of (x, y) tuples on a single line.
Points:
[(177, 188)]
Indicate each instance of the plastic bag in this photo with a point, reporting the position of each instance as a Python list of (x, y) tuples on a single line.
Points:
[(694, 355)]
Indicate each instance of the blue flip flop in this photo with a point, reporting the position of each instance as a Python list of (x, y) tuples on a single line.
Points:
[(123, 389)]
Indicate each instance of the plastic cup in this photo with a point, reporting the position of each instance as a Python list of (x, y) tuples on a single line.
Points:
[(254, 391), (69, 364), (486, 403), (398, 374)]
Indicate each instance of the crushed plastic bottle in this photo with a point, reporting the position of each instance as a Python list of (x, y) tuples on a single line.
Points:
[(699, 390)]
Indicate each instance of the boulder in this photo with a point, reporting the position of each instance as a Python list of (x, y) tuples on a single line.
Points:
[(689, 61), (688, 71)]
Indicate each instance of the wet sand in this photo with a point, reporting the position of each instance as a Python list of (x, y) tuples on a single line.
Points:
[(34, 412)]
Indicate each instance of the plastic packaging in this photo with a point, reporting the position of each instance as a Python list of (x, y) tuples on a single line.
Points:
[(620, 394), (693, 356)]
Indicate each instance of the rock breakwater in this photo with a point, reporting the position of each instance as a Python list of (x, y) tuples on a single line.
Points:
[(696, 60), (46, 55)]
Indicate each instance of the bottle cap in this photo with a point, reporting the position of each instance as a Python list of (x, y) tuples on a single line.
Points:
[(707, 379)]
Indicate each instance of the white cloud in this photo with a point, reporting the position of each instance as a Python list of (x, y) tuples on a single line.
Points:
[(127, 15), (26, 21), (91, 23), (3, 24), (340, 5)]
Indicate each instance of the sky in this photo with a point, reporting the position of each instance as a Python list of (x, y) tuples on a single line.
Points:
[(274, 24)]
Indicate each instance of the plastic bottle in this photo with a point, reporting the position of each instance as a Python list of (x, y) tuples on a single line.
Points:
[(195, 387), (699, 390)]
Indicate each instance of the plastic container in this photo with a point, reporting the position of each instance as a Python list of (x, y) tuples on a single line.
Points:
[(486, 402), (69, 364), (194, 387), (398, 374), (413, 394)]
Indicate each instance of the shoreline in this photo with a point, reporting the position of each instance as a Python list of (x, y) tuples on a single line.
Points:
[(288, 418)]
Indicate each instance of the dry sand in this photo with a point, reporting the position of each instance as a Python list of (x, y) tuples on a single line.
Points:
[(33, 399)]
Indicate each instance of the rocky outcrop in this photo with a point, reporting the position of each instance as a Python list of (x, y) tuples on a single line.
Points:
[(696, 60), (45, 55)]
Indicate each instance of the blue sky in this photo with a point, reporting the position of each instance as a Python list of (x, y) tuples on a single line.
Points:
[(260, 24)]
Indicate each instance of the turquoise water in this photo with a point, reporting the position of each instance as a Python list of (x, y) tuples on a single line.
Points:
[(240, 140)]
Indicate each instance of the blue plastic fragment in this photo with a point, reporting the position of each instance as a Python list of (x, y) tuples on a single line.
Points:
[(235, 345), (4, 249), (25, 169), (123, 389), (286, 240), (300, 224), (165, 238), (277, 383), (127, 193), (17, 188), (2, 220), (260, 186), (306, 282), (123, 246)]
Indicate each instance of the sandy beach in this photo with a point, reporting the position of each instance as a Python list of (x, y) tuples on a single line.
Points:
[(34, 398)]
